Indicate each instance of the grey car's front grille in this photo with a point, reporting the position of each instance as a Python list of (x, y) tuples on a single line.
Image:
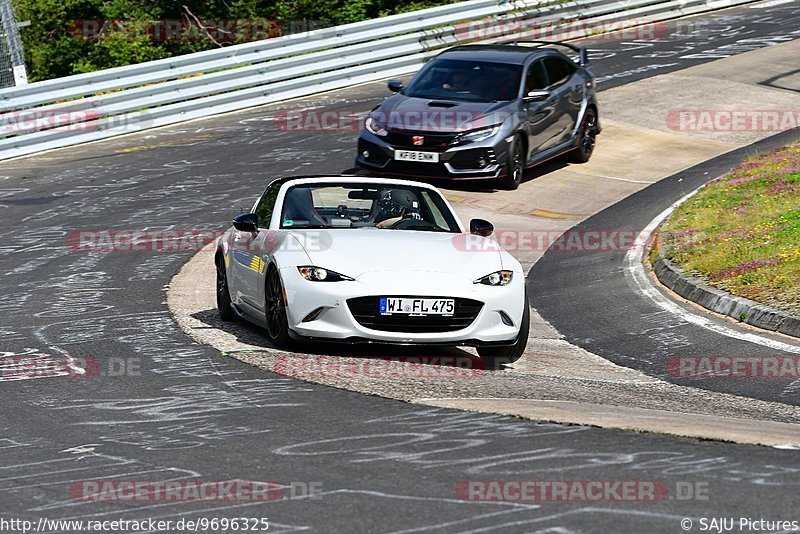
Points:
[(437, 142)]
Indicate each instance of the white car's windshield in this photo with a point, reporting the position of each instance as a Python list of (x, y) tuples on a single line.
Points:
[(395, 207)]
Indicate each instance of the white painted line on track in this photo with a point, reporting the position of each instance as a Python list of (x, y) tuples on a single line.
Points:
[(611, 177), (771, 4), (637, 277)]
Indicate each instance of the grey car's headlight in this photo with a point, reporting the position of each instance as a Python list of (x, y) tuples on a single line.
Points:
[(477, 135), (499, 278), (373, 125), (318, 274)]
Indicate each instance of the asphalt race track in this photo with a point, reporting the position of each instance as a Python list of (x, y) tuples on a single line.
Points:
[(589, 299), (156, 406)]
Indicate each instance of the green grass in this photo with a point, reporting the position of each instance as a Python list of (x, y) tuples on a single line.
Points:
[(741, 232)]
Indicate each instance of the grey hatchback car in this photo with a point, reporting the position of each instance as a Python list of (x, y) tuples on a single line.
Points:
[(485, 111)]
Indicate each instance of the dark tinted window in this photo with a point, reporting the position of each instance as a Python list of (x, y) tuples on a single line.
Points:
[(473, 81), (267, 204), (536, 80), (558, 70)]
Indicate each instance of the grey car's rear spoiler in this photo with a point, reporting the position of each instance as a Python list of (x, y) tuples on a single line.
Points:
[(583, 53)]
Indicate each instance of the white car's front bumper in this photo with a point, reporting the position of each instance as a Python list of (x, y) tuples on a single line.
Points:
[(336, 321)]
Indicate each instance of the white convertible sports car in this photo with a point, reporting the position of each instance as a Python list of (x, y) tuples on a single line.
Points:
[(342, 258)]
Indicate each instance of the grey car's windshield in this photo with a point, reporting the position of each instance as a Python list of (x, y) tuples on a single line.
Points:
[(472, 81), (386, 206)]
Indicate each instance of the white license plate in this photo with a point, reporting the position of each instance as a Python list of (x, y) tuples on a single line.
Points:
[(406, 306), (412, 155)]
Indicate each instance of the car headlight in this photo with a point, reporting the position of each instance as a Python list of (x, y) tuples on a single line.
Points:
[(318, 274), (375, 126), (500, 278), (477, 135)]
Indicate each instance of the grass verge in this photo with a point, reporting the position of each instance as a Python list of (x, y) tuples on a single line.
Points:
[(741, 232)]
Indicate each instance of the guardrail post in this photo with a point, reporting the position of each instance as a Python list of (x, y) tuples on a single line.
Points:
[(12, 59)]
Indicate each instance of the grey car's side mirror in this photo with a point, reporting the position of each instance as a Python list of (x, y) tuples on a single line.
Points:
[(246, 222), (481, 227), (536, 96), (395, 86)]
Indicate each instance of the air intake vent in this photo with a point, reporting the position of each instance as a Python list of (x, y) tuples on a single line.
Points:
[(437, 104), (313, 315)]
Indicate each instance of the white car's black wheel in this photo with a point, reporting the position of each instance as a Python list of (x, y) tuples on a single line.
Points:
[(495, 357), (275, 307), (224, 306)]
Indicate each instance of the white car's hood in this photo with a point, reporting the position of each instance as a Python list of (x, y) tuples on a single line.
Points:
[(353, 252)]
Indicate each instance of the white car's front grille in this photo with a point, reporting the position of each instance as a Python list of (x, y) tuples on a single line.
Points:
[(365, 310)]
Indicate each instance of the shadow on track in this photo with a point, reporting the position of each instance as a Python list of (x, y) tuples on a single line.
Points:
[(476, 186), (426, 355)]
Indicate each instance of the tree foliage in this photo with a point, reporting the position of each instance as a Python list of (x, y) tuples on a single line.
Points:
[(75, 36)]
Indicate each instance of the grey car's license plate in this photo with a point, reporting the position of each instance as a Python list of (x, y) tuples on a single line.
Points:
[(412, 155)]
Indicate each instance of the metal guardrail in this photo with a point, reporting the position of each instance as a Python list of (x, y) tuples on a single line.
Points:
[(88, 107)]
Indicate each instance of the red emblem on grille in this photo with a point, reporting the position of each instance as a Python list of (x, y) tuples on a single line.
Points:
[(417, 140)]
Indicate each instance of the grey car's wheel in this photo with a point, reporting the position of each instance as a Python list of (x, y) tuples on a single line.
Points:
[(275, 307), (515, 165), (495, 357), (224, 306), (584, 144)]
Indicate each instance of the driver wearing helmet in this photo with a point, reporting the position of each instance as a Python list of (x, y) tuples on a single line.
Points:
[(403, 204)]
